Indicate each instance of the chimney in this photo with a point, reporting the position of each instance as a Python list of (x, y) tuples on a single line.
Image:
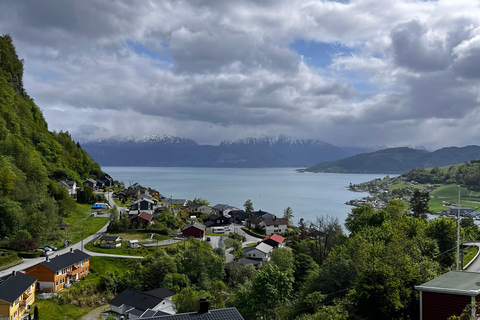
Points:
[(71, 250), (47, 259), (14, 273), (203, 305)]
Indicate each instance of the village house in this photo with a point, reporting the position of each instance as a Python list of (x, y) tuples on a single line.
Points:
[(106, 180), (449, 294), (142, 219), (134, 304), (216, 220), (90, 183), (203, 314), (194, 230), (17, 294), (223, 209), (199, 207), (55, 273), (71, 186), (274, 225), (110, 242), (143, 204), (261, 214), (238, 216), (275, 241), (261, 251)]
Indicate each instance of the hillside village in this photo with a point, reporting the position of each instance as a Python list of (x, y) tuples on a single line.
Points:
[(246, 237)]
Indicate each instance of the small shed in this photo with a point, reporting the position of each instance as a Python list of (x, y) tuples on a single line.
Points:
[(449, 294), (110, 242), (133, 243)]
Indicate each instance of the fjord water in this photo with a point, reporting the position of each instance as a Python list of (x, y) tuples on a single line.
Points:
[(270, 189)]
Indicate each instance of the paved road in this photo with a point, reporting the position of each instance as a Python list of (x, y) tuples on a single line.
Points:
[(79, 245), (475, 266)]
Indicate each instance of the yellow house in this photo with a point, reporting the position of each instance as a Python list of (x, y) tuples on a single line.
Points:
[(56, 273), (17, 294)]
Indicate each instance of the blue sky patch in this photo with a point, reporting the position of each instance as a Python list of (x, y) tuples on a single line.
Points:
[(318, 54), (142, 50)]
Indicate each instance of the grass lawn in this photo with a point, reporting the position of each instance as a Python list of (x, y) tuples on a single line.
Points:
[(123, 250), (216, 234), (81, 220), (468, 254), (52, 310)]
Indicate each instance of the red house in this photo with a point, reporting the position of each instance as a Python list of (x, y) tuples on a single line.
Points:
[(194, 230), (141, 219), (449, 295)]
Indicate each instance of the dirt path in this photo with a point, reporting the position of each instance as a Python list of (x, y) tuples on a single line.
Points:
[(96, 314)]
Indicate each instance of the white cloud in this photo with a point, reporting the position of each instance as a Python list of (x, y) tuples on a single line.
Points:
[(215, 70)]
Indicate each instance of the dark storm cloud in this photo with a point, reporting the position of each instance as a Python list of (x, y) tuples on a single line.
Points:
[(413, 49), (225, 69)]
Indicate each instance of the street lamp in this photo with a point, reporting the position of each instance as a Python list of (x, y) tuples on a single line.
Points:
[(458, 229)]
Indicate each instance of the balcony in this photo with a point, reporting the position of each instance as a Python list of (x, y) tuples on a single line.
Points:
[(27, 300)]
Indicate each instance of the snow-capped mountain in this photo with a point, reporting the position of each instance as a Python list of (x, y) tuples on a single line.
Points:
[(281, 151)]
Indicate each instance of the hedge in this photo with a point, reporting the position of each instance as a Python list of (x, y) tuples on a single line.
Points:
[(30, 254)]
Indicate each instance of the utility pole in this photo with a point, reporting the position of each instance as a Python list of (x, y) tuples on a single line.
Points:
[(458, 229)]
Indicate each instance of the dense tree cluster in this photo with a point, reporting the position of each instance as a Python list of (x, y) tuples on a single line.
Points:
[(466, 174), (32, 159)]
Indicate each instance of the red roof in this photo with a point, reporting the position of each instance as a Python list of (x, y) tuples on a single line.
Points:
[(275, 237), (143, 215)]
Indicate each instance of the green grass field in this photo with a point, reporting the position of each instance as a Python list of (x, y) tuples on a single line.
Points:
[(80, 220), (52, 310), (449, 192)]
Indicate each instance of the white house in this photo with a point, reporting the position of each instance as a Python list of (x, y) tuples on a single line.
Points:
[(274, 225), (260, 251)]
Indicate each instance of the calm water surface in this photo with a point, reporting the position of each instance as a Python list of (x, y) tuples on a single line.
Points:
[(270, 189)]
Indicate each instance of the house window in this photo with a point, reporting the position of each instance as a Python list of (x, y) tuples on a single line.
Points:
[(57, 273), (56, 283)]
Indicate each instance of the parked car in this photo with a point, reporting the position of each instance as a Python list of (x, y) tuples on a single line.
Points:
[(52, 247), (46, 251), (208, 238)]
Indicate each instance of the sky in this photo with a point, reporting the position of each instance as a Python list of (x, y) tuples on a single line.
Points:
[(351, 73)]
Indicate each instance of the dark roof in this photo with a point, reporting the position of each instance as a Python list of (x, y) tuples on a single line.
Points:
[(13, 285), (255, 220), (151, 313), (65, 260), (136, 312), (142, 215), (218, 314), (109, 238), (135, 299), (278, 221), (195, 225), (161, 293)]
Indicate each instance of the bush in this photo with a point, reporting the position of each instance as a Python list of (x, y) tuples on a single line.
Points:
[(8, 257)]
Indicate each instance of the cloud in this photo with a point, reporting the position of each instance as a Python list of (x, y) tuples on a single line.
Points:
[(215, 70)]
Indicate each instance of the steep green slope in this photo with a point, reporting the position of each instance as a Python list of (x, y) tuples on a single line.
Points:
[(32, 159)]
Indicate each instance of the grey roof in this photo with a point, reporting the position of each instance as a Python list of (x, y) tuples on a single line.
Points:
[(135, 299), (109, 238), (279, 221), (263, 247), (217, 314), (13, 285), (65, 260), (196, 225), (246, 261), (456, 282)]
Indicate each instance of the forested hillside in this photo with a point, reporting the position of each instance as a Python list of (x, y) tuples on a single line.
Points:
[(32, 159), (398, 160)]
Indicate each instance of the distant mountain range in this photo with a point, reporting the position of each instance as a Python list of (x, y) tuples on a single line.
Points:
[(398, 160), (281, 151)]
